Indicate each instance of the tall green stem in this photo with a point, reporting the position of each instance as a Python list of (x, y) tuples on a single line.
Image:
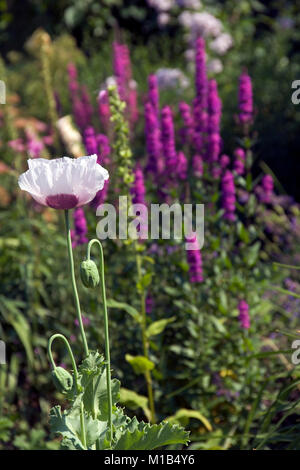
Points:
[(106, 332), (147, 374), (77, 303)]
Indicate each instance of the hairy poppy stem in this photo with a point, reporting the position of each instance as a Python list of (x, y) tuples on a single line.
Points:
[(77, 303)]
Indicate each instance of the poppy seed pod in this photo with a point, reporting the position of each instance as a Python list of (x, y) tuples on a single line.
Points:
[(62, 379), (89, 274)]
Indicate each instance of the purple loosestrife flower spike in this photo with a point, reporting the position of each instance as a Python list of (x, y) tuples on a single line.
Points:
[(245, 99), (214, 118), (103, 152), (239, 162), (228, 196), (197, 164), (103, 109), (266, 190), (138, 192), (168, 141), (200, 102), (187, 131), (182, 166), (80, 227), (155, 164), (194, 260), (90, 141), (104, 149), (224, 161), (153, 93), (244, 317)]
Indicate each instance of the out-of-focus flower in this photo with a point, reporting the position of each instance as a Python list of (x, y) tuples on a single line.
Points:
[(201, 24), (161, 5), (224, 161), (194, 260), (200, 101), (155, 164), (163, 19), (197, 164), (70, 136), (244, 317), (171, 78), (215, 66), (4, 197), (17, 145), (78, 235), (228, 196), (168, 141), (245, 99), (63, 183), (182, 166), (214, 118), (239, 162), (265, 191), (221, 44), (285, 22)]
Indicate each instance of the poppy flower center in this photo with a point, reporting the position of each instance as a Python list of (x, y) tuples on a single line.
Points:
[(62, 201)]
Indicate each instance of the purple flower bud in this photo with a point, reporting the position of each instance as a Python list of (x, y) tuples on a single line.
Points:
[(200, 102), (245, 99), (78, 235), (265, 192), (228, 196), (182, 166), (168, 141), (197, 165), (153, 93), (194, 260), (155, 164), (224, 161), (244, 317), (239, 162), (187, 131)]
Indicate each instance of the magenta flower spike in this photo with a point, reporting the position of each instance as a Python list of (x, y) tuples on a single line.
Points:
[(155, 164), (194, 260), (200, 102), (213, 124), (239, 162), (228, 196), (168, 142), (153, 93), (187, 131), (80, 227), (244, 317), (245, 99)]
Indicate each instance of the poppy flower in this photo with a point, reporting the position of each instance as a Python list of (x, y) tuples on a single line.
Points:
[(63, 183)]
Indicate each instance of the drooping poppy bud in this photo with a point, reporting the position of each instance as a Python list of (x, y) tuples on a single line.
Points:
[(89, 274), (62, 379)]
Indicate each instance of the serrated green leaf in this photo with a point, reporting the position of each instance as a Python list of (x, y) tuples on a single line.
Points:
[(93, 381), (143, 436)]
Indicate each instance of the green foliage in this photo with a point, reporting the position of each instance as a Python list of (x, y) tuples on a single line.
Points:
[(128, 434)]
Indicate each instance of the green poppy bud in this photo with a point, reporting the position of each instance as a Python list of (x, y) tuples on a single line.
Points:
[(62, 379), (89, 274)]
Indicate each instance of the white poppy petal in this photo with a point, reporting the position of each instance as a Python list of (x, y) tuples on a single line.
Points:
[(66, 181)]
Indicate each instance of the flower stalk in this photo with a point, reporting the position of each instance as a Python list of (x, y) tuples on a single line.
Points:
[(106, 331), (148, 376), (73, 280)]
